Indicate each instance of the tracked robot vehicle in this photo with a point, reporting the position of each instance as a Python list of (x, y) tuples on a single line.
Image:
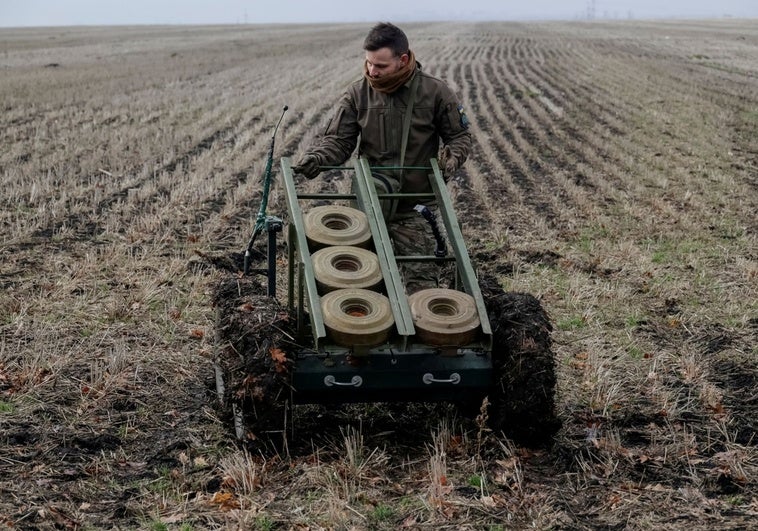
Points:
[(348, 331)]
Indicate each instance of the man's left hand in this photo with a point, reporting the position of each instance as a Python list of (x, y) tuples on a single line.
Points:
[(448, 163)]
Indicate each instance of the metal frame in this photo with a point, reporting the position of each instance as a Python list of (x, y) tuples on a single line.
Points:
[(402, 369)]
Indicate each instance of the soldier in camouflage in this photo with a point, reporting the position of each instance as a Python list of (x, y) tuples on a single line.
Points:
[(372, 111)]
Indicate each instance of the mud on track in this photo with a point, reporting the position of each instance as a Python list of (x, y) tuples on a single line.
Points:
[(613, 177)]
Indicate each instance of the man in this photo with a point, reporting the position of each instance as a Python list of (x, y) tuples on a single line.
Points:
[(373, 109)]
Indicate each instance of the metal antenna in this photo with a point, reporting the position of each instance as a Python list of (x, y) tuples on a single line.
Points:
[(260, 220)]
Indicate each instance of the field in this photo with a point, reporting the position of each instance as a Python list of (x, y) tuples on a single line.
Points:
[(614, 176)]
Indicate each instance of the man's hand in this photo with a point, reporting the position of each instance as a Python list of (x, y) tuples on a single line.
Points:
[(308, 166), (448, 163)]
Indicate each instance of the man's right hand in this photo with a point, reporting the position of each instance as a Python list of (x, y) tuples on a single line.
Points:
[(308, 166)]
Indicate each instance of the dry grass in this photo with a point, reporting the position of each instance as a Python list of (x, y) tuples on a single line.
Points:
[(614, 176)]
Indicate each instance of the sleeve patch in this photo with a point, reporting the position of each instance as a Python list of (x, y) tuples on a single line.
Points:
[(463, 118)]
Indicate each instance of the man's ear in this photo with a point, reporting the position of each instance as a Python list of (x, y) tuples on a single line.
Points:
[(404, 59)]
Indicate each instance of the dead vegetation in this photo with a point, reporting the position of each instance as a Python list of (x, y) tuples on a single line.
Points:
[(614, 178)]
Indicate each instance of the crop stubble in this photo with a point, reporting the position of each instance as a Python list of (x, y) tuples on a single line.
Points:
[(614, 175)]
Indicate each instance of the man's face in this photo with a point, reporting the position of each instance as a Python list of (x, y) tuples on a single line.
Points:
[(383, 62)]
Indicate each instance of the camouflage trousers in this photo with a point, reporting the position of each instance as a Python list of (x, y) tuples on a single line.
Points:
[(412, 235)]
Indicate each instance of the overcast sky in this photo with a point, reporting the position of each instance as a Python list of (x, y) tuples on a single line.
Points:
[(110, 12)]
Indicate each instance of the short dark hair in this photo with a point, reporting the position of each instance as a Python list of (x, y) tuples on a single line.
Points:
[(386, 35)]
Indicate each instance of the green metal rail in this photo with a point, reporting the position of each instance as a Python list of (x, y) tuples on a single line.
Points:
[(465, 269), (300, 265), (300, 258), (369, 203)]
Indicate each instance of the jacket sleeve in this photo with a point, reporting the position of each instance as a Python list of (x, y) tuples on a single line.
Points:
[(453, 125), (341, 135)]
